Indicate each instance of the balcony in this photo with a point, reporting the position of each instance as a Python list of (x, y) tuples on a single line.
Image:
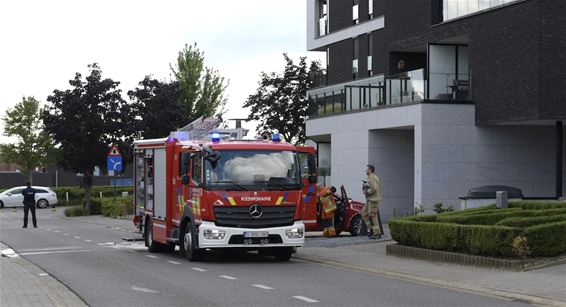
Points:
[(386, 91)]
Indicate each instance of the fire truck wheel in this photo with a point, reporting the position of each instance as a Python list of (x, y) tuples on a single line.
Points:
[(283, 253), (152, 246), (192, 253)]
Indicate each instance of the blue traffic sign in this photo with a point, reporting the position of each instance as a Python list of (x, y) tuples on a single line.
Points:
[(114, 163)]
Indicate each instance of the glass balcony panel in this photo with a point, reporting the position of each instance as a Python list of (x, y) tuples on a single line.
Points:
[(322, 26), (456, 8)]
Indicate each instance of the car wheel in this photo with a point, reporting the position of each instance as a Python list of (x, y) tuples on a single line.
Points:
[(42, 203), (191, 252), (152, 246), (1, 204), (356, 226), (283, 253)]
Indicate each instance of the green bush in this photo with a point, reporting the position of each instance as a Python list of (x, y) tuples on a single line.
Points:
[(95, 206), (491, 218), (474, 239), (78, 193), (547, 239), (74, 211), (118, 207), (523, 222), (538, 204)]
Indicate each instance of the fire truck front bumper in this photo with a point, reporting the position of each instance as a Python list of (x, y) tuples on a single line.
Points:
[(212, 236)]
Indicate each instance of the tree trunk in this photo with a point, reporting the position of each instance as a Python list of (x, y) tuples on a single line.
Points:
[(88, 190)]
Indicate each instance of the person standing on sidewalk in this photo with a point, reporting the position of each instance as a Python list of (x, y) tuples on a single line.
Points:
[(370, 212), (29, 204)]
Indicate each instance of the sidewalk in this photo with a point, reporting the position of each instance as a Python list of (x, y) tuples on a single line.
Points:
[(24, 284)]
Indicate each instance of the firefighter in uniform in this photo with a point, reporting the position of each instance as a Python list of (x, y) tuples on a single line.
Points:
[(327, 211), (29, 204), (370, 212)]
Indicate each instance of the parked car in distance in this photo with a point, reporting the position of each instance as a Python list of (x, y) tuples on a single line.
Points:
[(13, 197)]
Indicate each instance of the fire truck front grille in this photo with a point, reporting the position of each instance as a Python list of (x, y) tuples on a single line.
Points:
[(240, 217)]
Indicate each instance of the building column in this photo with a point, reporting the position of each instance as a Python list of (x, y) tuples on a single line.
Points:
[(559, 161)]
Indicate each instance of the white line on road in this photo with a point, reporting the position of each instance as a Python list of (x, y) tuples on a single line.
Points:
[(263, 287), (152, 256), (306, 299), (199, 269), (48, 249), (174, 262), (43, 274), (66, 234), (76, 237), (56, 231), (88, 240), (107, 243), (227, 277), (145, 290), (54, 252)]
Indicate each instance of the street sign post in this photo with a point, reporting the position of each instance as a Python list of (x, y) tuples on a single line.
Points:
[(114, 163)]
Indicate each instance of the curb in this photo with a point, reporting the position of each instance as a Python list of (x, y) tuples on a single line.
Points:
[(437, 282)]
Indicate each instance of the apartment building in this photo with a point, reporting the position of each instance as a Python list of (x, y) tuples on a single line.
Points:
[(440, 95)]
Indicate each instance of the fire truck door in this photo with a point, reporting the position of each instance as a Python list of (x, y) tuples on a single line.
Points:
[(308, 176)]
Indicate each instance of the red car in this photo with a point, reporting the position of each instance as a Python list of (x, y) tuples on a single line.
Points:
[(349, 214)]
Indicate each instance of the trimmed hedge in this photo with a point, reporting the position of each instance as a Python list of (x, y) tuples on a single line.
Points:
[(119, 207), (76, 194), (547, 239), (488, 230), (523, 222), (74, 211)]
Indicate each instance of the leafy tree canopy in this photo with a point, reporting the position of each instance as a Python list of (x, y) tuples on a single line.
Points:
[(34, 147), (202, 88), (85, 120), (280, 101)]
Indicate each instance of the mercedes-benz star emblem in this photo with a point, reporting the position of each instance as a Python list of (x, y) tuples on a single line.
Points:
[(256, 211)]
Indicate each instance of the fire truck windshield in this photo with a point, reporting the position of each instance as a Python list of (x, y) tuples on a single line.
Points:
[(254, 170)]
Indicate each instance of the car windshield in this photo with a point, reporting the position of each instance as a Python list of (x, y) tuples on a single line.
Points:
[(253, 169)]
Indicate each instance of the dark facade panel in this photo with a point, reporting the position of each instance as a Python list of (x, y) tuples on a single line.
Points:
[(339, 14), (340, 68), (363, 56), (364, 10)]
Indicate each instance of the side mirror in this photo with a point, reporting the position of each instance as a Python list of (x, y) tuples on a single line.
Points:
[(9, 194), (185, 179)]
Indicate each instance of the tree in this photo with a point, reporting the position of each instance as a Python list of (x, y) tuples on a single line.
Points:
[(85, 121), (202, 88), (280, 102), (158, 108), (34, 147)]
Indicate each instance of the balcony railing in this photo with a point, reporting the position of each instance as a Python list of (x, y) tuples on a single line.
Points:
[(404, 88)]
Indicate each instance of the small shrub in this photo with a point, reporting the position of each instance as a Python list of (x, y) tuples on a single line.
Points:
[(419, 209), (74, 211), (521, 246), (439, 208), (523, 222), (547, 239), (119, 207)]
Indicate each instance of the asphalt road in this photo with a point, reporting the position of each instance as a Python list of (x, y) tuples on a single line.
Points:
[(93, 261)]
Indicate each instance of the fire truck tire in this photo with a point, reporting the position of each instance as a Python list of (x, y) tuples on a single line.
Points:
[(283, 253), (152, 246), (192, 253)]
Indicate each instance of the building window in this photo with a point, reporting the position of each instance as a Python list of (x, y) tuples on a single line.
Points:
[(356, 12), (356, 54), (370, 9), (323, 18), (370, 54), (456, 8)]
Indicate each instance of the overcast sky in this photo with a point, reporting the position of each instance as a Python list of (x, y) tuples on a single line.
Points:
[(44, 43)]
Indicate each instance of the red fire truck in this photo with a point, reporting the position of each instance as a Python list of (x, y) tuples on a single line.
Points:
[(211, 193)]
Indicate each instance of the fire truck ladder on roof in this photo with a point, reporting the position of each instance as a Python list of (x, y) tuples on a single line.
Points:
[(202, 127)]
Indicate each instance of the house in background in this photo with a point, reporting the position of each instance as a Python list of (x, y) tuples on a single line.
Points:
[(440, 95)]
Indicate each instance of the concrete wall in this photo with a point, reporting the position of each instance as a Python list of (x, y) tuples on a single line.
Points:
[(392, 154)]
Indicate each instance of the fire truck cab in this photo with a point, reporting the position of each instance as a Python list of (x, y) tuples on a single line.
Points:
[(217, 194)]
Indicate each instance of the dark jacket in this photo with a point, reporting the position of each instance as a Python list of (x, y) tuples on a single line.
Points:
[(29, 196)]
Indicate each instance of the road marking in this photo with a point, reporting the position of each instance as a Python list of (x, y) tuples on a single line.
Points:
[(227, 277), (56, 231), (76, 237), (10, 253), (54, 252), (66, 234), (107, 243), (263, 287), (199, 269), (117, 228), (43, 274), (306, 299), (48, 229), (152, 256), (145, 290), (88, 240), (174, 262), (48, 249)]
